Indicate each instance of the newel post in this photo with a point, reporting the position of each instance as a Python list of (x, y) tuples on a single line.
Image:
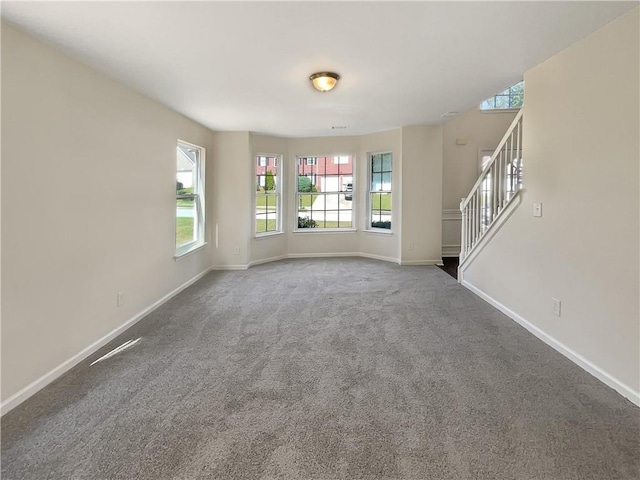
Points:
[(463, 231)]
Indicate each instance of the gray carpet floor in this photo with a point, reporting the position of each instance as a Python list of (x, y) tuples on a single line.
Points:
[(325, 369)]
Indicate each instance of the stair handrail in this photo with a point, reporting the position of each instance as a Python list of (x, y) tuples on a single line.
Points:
[(497, 151)]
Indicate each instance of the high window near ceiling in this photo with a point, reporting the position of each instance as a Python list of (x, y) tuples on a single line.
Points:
[(380, 175), (511, 98), (268, 217), (324, 192), (189, 198)]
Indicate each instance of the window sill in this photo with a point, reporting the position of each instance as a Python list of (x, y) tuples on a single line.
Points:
[(314, 231), (188, 250), (258, 236), (378, 231), (500, 110)]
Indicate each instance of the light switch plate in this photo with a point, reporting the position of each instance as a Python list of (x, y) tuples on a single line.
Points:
[(537, 209)]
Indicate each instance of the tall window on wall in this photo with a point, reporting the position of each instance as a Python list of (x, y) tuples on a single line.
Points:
[(380, 190), (511, 98), (189, 198), (267, 211), (324, 192)]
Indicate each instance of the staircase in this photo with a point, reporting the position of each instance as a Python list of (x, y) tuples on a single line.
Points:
[(494, 195)]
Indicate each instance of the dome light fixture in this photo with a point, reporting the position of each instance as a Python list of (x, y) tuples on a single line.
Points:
[(324, 81)]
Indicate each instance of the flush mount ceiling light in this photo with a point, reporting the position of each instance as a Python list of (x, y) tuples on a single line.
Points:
[(324, 81)]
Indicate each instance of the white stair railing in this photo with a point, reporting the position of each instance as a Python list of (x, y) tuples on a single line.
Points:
[(497, 185)]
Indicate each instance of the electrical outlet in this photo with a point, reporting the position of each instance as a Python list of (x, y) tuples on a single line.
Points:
[(556, 306), (120, 299), (236, 251)]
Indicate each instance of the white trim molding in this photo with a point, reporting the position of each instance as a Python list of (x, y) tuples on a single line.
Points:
[(37, 385), (344, 254), (560, 347), (324, 255), (229, 267), (378, 257), (420, 262), (451, 250), (451, 214), (253, 263)]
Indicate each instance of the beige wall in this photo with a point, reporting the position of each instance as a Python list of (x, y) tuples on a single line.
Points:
[(421, 240), (480, 131), (233, 186), (88, 207), (381, 245), (581, 157)]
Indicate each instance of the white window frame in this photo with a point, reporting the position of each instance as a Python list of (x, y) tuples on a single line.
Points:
[(303, 160), (278, 164), (199, 201), (371, 228)]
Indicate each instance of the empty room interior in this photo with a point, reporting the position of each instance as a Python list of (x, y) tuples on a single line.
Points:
[(385, 255)]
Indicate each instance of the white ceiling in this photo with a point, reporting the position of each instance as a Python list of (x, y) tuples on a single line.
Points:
[(245, 65)]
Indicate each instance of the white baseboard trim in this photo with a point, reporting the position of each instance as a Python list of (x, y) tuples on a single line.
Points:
[(343, 254), (229, 267), (451, 215), (451, 250), (420, 262), (323, 255), (267, 260), (575, 357), (37, 385), (378, 257)]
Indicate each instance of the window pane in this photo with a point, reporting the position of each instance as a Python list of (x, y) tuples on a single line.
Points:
[(376, 163), (386, 181), (261, 223), (376, 182), (516, 101), (330, 183), (502, 101), (489, 103), (332, 201), (517, 89), (385, 203), (386, 162), (305, 201), (185, 222)]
